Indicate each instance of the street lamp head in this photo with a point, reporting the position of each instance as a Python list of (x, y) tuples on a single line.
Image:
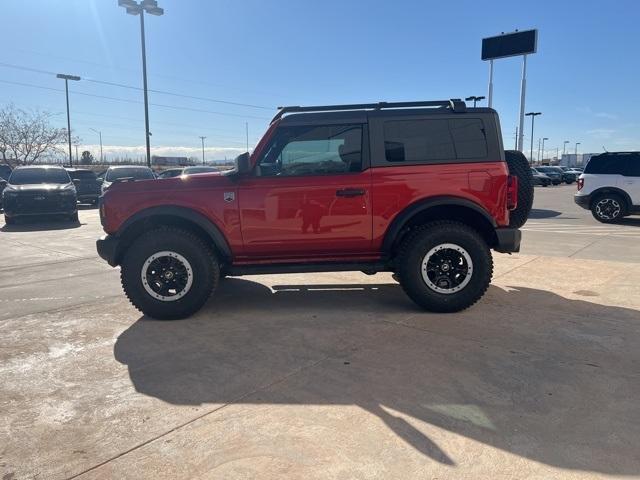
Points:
[(68, 77), (127, 3), (545, 138), (157, 11), (134, 10)]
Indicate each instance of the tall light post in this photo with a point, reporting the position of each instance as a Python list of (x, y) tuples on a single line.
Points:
[(202, 138), (564, 146), (100, 134), (474, 99), (577, 143), (533, 116), (135, 8), (543, 139), (66, 79)]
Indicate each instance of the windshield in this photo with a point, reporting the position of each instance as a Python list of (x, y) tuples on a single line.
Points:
[(5, 171), (192, 170), (30, 176), (83, 175), (136, 173)]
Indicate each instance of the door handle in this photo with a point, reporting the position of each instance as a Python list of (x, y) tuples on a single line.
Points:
[(350, 192)]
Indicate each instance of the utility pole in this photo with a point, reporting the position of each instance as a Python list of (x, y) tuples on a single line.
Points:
[(100, 134), (474, 99), (66, 79), (533, 116), (543, 139), (202, 138), (135, 8), (577, 143), (538, 157), (516, 145)]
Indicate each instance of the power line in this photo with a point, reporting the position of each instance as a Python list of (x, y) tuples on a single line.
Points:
[(131, 87), (174, 107)]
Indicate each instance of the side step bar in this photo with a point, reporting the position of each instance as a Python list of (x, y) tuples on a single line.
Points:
[(367, 267)]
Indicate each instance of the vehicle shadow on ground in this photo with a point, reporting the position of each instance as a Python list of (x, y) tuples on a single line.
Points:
[(558, 386), (38, 225), (543, 213), (630, 221)]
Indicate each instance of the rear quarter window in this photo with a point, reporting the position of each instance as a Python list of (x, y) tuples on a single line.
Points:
[(435, 140), (605, 165)]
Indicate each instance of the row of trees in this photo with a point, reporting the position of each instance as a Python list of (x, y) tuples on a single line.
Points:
[(28, 136)]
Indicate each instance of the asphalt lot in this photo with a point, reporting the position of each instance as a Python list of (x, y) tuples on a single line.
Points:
[(326, 375)]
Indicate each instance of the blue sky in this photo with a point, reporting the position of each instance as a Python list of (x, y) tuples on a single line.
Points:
[(584, 77)]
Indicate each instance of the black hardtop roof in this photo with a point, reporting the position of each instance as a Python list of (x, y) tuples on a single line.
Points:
[(611, 154), (359, 111)]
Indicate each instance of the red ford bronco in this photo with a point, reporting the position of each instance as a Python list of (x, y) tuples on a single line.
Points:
[(421, 189)]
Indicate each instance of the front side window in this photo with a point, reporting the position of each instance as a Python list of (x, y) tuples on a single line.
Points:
[(632, 166), (313, 150), (135, 173)]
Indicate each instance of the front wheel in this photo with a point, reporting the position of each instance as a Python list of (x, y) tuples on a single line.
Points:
[(169, 273), (445, 266), (608, 208)]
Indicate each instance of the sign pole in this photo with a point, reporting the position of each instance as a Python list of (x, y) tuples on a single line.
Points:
[(523, 90), (490, 83)]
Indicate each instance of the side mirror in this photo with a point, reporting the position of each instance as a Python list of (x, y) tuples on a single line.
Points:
[(3, 182), (100, 180), (243, 165), (76, 181)]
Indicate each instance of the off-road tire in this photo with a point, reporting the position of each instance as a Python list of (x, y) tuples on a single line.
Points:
[(613, 197), (419, 242), (519, 166), (203, 262)]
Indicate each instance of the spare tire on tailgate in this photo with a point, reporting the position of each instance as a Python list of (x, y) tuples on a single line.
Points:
[(519, 166)]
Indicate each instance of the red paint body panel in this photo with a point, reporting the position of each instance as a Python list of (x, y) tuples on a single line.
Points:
[(302, 219)]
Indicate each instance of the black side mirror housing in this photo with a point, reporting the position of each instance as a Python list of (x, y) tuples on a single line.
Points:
[(243, 165)]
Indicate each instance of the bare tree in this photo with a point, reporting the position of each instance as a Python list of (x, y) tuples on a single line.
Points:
[(26, 137)]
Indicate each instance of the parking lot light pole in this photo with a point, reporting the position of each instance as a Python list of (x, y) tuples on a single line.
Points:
[(135, 8), (202, 138), (533, 116), (543, 139), (66, 79), (100, 134), (474, 99), (577, 143), (564, 146)]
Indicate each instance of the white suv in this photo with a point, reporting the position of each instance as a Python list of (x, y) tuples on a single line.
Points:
[(610, 186)]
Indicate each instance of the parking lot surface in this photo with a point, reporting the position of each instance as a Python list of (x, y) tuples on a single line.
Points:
[(326, 375)]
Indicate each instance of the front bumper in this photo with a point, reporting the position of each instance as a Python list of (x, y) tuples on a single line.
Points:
[(583, 200), (508, 240), (107, 247), (26, 205)]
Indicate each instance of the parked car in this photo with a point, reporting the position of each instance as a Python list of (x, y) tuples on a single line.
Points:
[(540, 178), (421, 189), (610, 186), (87, 185), (126, 173), (41, 190), (554, 173), (5, 172), (196, 170), (170, 173)]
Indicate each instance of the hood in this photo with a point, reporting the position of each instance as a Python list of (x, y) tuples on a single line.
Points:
[(185, 182), (40, 187)]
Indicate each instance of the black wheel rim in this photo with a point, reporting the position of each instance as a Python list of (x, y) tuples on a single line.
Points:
[(167, 276), (447, 268)]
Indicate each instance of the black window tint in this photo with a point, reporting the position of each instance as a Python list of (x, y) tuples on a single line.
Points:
[(632, 166), (311, 150), (469, 138), (424, 141), (82, 175), (30, 176), (418, 140), (605, 165)]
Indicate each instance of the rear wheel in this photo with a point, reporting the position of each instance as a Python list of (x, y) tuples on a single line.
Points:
[(519, 166), (608, 208), (444, 266), (169, 273)]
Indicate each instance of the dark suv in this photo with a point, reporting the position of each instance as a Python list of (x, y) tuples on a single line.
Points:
[(421, 189), (39, 191), (87, 185)]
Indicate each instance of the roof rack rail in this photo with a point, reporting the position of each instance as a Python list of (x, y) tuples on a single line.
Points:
[(455, 104)]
